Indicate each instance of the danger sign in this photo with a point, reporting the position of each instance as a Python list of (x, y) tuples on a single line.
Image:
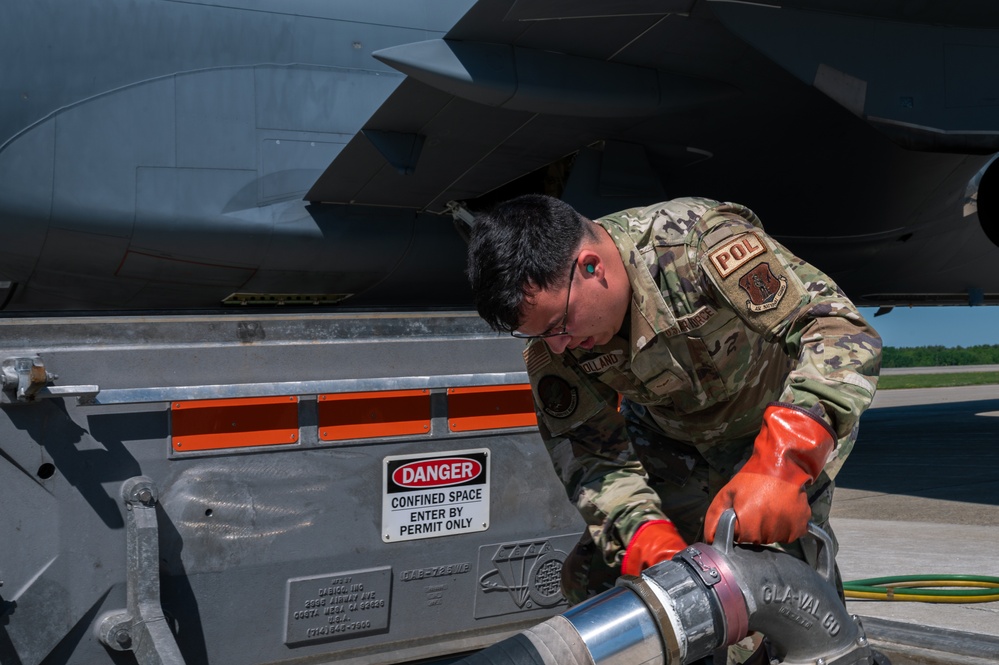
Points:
[(433, 496)]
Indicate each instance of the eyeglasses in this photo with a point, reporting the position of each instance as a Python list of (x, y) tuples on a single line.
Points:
[(565, 317)]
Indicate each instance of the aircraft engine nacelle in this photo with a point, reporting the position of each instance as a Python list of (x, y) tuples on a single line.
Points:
[(988, 200)]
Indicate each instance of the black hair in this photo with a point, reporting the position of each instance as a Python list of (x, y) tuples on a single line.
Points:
[(526, 242)]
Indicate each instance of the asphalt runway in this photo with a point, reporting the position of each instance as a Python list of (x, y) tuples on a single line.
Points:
[(920, 495), (947, 369), (925, 455)]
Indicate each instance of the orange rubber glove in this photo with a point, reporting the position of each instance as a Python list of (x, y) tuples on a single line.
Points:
[(768, 493), (655, 541)]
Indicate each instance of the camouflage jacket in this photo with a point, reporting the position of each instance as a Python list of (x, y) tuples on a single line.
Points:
[(723, 321)]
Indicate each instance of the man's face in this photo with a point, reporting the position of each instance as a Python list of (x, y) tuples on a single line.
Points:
[(590, 308)]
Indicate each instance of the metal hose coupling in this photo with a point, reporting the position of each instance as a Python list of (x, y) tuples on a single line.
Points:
[(706, 597), (711, 596)]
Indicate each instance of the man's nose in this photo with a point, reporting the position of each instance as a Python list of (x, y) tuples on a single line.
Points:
[(559, 343)]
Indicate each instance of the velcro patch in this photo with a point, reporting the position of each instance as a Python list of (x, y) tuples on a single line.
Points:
[(536, 356), (736, 253), (558, 398), (765, 289), (765, 292)]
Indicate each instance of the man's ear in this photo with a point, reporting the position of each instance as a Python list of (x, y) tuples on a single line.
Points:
[(590, 263)]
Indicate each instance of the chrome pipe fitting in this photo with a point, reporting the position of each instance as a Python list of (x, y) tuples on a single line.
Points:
[(706, 597)]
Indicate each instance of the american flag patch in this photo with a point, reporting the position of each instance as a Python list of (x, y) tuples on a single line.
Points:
[(536, 356)]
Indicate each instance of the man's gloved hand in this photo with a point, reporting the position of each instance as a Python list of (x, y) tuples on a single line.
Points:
[(768, 493), (655, 541)]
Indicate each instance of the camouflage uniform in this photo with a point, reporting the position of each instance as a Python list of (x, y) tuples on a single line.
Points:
[(723, 321)]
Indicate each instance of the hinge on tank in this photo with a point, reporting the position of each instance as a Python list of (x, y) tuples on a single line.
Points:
[(141, 627), (26, 379)]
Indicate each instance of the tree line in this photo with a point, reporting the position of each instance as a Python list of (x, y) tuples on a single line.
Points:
[(934, 356)]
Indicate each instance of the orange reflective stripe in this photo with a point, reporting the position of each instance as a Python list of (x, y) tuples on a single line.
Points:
[(264, 421), (490, 407), (367, 415), (216, 424)]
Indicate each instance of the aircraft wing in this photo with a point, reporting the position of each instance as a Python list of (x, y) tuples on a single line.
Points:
[(516, 85), (513, 87), (861, 132)]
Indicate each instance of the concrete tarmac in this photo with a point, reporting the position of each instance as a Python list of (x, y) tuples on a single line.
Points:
[(920, 495)]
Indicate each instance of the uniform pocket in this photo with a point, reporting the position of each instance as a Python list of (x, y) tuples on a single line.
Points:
[(708, 378)]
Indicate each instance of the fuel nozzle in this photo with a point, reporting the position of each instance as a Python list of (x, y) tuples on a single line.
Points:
[(706, 597)]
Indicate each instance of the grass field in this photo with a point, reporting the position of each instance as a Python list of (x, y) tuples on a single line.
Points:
[(937, 380)]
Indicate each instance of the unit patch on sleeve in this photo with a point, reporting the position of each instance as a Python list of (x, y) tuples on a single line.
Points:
[(736, 253), (765, 289), (758, 284), (558, 398)]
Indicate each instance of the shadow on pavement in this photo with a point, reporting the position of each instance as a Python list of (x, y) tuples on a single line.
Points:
[(946, 452)]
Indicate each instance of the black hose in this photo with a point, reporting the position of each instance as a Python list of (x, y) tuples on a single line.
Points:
[(516, 650), (553, 642)]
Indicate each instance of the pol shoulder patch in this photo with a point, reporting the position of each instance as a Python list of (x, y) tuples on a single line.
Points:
[(735, 253), (755, 281)]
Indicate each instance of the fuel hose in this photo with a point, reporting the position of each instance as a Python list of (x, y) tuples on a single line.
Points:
[(926, 588)]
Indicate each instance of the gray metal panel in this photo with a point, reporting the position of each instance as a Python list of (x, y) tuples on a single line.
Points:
[(98, 76), (77, 467), (259, 348), (51, 285), (216, 119), (535, 10), (105, 92), (408, 282), (287, 167), (26, 191), (247, 534), (914, 74), (964, 83), (317, 99), (70, 252), (204, 226), (333, 251), (436, 15), (973, 13), (138, 265), (177, 205), (122, 42), (98, 145)]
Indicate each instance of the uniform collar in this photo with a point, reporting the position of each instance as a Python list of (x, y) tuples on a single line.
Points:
[(650, 315)]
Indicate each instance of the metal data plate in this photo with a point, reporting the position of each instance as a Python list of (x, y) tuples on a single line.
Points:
[(338, 605)]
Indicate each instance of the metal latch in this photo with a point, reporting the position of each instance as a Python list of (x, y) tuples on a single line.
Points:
[(141, 627), (26, 379)]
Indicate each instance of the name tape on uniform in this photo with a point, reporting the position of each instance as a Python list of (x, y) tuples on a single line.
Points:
[(432, 496)]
